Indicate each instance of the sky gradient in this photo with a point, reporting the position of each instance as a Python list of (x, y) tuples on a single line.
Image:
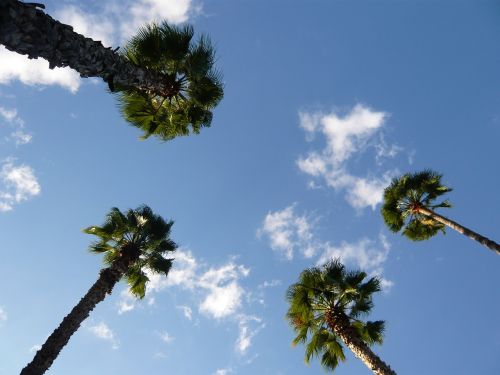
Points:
[(325, 102)]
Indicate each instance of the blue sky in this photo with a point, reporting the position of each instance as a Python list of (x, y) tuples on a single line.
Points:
[(325, 101)]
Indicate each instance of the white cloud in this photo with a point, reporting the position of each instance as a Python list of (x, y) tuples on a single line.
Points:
[(222, 301), (8, 114), (346, 136), (160, 355), (3, 315), (219, 288), (365, 254), (20, 137), (35, 348), (223, 371), (165, 337), (270, 284), (126, 302), (186, 311), (246, 332), (224, 292), (95, 26), (288, 232), (35, 72), (102, 331), (18, 183), (145, 11)]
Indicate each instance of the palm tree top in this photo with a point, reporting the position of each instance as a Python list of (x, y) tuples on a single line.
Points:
[(194, 89), (141, 237), (406, 195), (324, 294)]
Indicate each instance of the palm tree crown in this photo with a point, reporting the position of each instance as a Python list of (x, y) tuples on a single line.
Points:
[(328, 300), (406, 196), (194, 86), (140, 239)]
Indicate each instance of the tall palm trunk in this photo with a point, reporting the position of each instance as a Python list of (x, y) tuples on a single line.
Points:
[(339, 323), (29, 31), (49, 351), (461, 229)]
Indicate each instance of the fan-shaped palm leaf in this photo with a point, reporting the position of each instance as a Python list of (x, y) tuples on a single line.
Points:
[(194, 86), (324, 307)]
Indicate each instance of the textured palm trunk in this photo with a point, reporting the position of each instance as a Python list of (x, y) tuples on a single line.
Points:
[(49, 351), (339, 323), (461, 229), (29, 31)]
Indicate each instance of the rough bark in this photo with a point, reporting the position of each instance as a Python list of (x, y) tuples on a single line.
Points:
[(339, 323), (492, 245), (49, 351), (27, 30)]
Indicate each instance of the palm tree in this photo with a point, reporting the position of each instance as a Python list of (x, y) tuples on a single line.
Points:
[(409, 203), (131, 242), (196, 86), (165, 79), (325, 306)]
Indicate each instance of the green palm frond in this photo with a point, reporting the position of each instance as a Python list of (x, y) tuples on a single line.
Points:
[(321, 292), (137, 280), (370, 332), (196, 86), (142, 230), (405, 195)]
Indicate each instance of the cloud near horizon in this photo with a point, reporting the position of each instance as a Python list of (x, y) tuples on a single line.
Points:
[(345, 136)]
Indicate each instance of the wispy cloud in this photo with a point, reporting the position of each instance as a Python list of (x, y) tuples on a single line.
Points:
[(15, 67), (17, 184), (249, 326), (13, 120), (3, 315), (186, 311), (345, 136), (217, 290), (288, 232), (219, 287), (111, 22), (366, 254), (165, 337), (223, 371), (102, 331)]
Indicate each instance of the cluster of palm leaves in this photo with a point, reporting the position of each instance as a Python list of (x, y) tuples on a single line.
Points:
[(409, 206), (133, 243), (328, 301), (404, 198), (195, 87)]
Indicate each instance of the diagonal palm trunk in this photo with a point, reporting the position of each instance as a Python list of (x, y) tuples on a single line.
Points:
[(461, 229), (49, 351), (29, 31), (339, 323)]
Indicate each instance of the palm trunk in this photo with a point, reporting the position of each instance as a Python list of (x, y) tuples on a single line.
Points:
[(29, 31), (49, 351), (339, 323), (461, 229)]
